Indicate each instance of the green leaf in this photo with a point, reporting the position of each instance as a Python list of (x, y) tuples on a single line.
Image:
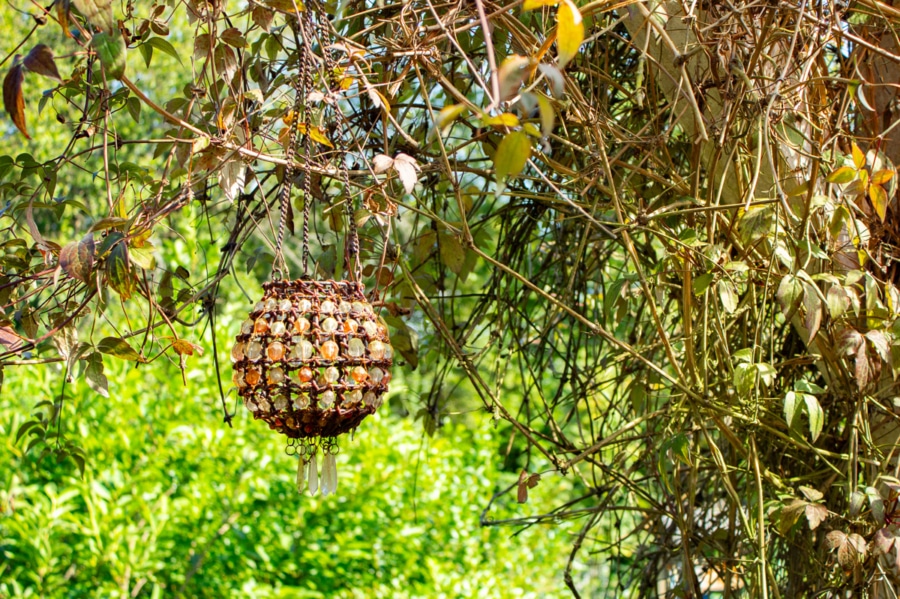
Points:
[(119, 348), (702, 283), (118, 269), (143, 256), (94, 376), (569, 32), (452, 252), (790, 408), (789, 294), (112, 52), (133, 105), (728, 296), (816, 415), (511, 157), (164, 46)]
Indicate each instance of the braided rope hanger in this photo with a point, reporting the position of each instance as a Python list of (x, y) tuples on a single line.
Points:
[(303, 85)]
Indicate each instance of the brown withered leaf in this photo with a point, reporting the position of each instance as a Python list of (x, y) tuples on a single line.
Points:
[(77, 258), (183, 347), (12, 96), (263, 16), (522, 490), (40, 60)]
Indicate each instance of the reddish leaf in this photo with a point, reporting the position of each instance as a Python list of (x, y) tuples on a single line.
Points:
[(816, 513), (40, 60), (12, 97)]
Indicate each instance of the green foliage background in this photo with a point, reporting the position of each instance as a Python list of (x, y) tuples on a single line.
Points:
[(174, 503)]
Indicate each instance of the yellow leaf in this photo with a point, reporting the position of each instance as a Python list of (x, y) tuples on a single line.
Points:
[(879, 200), (859, 159), (507, 119), (569, 32), (448, 114), (533, 4), (882, 176), (845, 174)]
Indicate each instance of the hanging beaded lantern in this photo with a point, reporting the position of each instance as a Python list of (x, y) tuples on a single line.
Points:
[(312, 359)]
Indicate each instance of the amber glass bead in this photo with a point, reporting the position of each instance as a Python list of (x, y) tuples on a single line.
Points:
[(275, 351), (329, 350)]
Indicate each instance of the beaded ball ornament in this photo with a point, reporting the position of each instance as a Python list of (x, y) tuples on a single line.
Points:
[(312, 361)]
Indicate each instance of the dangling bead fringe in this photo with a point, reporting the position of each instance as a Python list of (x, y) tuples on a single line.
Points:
[(329, 474), (313, 475)]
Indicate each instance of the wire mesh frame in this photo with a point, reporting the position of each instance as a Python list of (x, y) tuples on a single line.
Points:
[(312, 360)]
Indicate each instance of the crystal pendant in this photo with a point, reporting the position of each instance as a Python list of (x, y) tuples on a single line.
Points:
[(305, 375), (313, 475), (369, 398), (388, 351), (357, 307), (329, 474), (271, 305), (302, 473), (250, 405), (260, 306)]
